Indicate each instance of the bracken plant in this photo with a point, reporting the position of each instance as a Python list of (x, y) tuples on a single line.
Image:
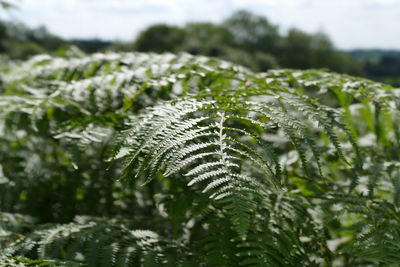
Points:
[(134, 159)]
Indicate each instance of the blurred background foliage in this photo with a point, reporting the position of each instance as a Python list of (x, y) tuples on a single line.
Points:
[(245, 38)]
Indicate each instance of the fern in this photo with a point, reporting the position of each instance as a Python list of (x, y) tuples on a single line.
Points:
[(228, 167), (24, 262), (95, 243)]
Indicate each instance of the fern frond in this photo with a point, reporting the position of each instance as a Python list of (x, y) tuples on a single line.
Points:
[(96, 243), (283, 168)]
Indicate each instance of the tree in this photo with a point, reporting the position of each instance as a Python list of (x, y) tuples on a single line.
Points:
[(17, 41), (253, 33), (7, 4), (206, 39), (160, 38)]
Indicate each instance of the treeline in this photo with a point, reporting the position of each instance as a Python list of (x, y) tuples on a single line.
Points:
[(250, 40), (17, 41), (244, 38), (380, 65)]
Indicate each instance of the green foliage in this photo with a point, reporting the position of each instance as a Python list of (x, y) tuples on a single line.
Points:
[(381, 65), (24, 262), (135, 159), (97, 243), (159, 38), (18, 41), (7, 4), (249, 40)]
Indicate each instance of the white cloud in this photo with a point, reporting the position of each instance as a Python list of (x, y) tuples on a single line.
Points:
[(350, 23)]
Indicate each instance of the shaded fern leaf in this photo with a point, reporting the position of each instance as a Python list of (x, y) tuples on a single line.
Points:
[(25, 262), (96, 243)]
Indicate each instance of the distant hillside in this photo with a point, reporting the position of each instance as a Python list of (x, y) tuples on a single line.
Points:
[(380, 65), (91, 45), (373, 55)]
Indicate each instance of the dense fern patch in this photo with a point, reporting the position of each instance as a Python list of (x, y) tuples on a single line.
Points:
[(136, 159)]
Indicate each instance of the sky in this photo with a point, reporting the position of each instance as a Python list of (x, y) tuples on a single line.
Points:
[(350, 23)]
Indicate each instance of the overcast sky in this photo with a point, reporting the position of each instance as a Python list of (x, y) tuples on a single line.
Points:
[(349, 23)]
